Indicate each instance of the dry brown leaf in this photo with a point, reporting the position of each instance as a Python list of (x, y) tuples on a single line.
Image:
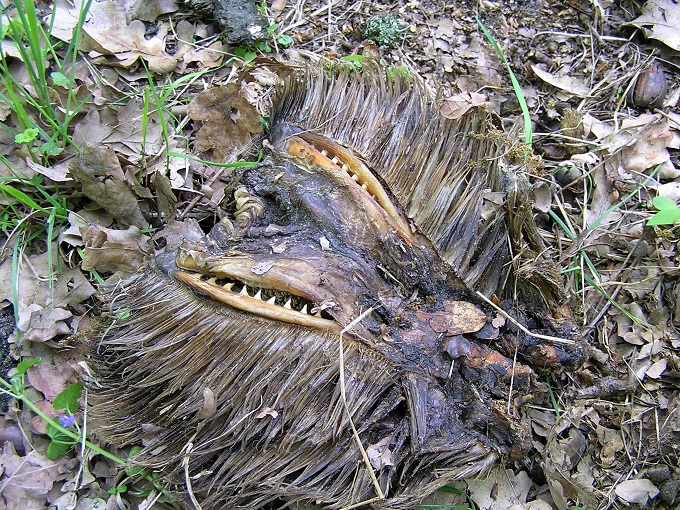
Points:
[(565, 80), (500, 490), (106, 31), (379, 454), (110, 250), (150, 10), (44, 299), (659, 20), (102, 179), (228, 120), (26, 480), (638, 491), (209, 56), (455, 107), (177, 233), (458, 317)]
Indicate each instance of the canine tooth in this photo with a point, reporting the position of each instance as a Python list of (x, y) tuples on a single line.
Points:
[(228, 286), (335, 160), (318, 314), (272, 300), (364, 186), (213, 280), (258, 295), (324, 152), (345, 167), (303, 309), (288, 304), (355, 177), (244, 291)]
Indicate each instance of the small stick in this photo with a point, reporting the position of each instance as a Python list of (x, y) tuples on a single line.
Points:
[(344, 403), (522, 328)]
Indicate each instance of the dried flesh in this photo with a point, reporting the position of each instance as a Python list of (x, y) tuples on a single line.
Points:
[(332, 266)]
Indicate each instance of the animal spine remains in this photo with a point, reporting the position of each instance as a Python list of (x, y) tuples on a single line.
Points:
[(234, 349)]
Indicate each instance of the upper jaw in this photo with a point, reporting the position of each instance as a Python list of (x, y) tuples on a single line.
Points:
[(308, 288)]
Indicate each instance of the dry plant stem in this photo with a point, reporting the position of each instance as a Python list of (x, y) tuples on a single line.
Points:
[(187, 478), (522, 328), (344, 403), (314, 14), (512, 379), (195, 200)]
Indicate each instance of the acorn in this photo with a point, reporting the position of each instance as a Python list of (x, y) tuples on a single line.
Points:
[(649, 89)]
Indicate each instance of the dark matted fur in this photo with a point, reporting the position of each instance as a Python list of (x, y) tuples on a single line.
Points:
[(253, 406)]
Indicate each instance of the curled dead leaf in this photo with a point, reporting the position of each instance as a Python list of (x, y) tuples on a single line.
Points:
[(98, 171), (228, 120), (113, 251), (456, 106), (457, 318)]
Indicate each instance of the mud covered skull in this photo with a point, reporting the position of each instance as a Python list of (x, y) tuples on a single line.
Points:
[(324, 343)]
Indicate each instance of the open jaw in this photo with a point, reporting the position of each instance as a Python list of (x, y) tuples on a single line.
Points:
[(277, 305), (324, 153)]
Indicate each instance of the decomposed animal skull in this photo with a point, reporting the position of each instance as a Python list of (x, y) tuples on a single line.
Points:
[(325, 344)]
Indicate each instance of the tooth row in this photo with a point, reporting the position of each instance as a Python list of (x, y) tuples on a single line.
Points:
[(258, 295)]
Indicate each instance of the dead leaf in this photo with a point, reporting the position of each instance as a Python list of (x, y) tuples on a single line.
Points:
[(455, 107), (228, 120), (45, 297), (209, 407), (107, 32), (564, 81), (379, 454), (638, 491), (102, 179), (26, 480), (500, 490), (657, 368), (177, 233), (457, 318), (659, 20), (110, 250)]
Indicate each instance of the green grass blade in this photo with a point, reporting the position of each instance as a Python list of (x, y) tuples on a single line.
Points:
[(528, 131)]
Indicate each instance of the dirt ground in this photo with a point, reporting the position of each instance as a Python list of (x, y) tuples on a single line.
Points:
[(601, 80)]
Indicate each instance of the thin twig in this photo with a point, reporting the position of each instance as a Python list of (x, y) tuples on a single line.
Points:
[(187, 478), (344, 403), (522, 328)]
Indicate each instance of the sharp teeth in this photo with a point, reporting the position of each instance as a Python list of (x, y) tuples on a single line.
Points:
[(345, 167), (258, 295), (244, 291), (288, 304), (324, 152), (364, 186), (228, 286), (272, 300), (355, 177), (213, 280), (303, 309), (335, 160), (318, 314)]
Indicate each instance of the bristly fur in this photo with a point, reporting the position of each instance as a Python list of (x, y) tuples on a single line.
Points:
[(252, 406), (439, 170), (276, 427)]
